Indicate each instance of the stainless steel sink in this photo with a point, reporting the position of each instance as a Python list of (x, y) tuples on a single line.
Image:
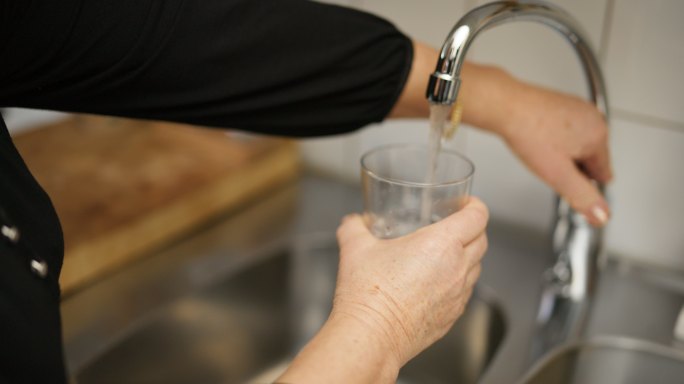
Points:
[(234, 301), (611, 360), (250, 324)]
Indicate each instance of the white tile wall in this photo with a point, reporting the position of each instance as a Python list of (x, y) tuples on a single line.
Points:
[(428, 21), (645, 58), (648, 194), (19, 119)]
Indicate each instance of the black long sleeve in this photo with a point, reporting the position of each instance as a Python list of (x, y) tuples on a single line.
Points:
[(285, 67)]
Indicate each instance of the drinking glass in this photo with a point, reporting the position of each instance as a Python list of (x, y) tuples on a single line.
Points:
[(403, 192)]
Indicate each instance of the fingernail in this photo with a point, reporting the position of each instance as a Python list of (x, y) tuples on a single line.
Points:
[(600, 214)]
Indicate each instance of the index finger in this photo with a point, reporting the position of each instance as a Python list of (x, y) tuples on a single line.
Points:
[(598, 166)]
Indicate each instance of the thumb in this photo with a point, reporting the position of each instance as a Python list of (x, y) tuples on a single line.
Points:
[(353, 229)]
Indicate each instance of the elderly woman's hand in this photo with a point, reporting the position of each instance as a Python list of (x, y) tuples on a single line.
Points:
[(564, 140), (393, 298), (561, 138)]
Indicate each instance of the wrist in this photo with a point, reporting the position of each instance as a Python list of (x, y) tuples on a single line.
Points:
[(510, 104), (345, 350), (490, 96), (374, 336)]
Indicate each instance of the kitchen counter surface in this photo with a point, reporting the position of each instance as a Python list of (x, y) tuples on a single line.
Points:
[(122, 188)]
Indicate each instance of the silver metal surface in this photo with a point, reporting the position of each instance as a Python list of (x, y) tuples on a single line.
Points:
[(609, 360), (577, 245), (254, 319), (236, 298)]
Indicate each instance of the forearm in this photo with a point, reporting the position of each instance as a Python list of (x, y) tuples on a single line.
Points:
[(486, 93), (345, 350)]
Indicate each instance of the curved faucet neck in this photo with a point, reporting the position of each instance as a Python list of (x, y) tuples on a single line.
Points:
[(445, 81)]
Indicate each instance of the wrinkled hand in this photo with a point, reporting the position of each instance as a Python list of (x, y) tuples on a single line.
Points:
[(410, 290), (393, 298), (564, 140)]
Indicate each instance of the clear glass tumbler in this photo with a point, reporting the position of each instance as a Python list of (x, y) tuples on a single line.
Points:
[(399, 194)]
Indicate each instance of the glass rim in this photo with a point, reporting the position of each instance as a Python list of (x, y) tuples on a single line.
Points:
[(424, 147)]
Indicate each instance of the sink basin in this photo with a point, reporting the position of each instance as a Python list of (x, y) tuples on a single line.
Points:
[(233, 302), (245, 327), (610, 360)]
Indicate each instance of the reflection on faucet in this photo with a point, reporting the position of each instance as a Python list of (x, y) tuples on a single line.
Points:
[(569, 283)]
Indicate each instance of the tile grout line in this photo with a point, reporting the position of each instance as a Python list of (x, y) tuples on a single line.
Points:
[(651, 121), (605, 31), (622, 113), (610, 20)]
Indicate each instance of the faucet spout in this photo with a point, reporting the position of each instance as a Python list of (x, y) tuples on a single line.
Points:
[(569, 283)]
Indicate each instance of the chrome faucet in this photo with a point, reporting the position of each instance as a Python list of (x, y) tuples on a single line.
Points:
[(569, 283)]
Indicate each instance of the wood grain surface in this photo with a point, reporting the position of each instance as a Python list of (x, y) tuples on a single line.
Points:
[(124, 187)]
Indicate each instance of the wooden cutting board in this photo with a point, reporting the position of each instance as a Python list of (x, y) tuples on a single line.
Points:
[(124, 187)]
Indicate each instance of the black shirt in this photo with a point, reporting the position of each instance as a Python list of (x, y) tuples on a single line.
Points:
[(283, 67)]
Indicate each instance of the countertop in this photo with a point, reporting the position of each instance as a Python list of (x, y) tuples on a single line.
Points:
[(123, 187)]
